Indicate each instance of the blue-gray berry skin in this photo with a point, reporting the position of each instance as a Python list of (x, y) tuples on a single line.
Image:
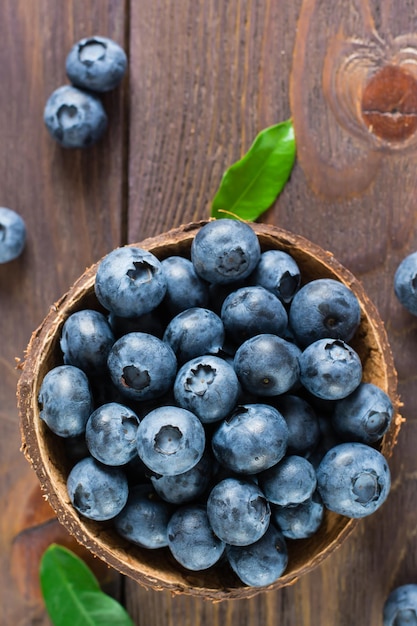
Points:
[(142, 366), (330, 369), (353, 479), (261, 563), (96, 63), (324, 308), (185, 289), (111, 434), (251, 440), (66, 400), (290, 482), (302, 421), (300, 521), (238, 511), (207, 386), (144, 519), (186, 487), (12, 235), (400, 607), (170, 440), (278, 272), (365, 415), (267, 365), (74, 118), (224, 251), (86, 339), (130, 282), (97, 491), (191, 539), (405, 282), (194, 332), (250, 311)]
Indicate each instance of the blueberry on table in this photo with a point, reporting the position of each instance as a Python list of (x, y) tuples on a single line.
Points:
[(261, 563), (144, 519), (224, 251), (97, 491), (111, 434), (267, 365), (400, 608), (191, 539), (194, 332), (330, 369), (185, 487), (324, 308), (238, 511), (184, 288), (130, 282), (251, 440), (74, 118), (300, 521), (86, 339), (405, 283), (66, 400), (207, 386), (365, 415), (289, 482), (96, 63), (141, 366), (12, 235), (353, 479), (170, 440), (278, 272), (250, 311)]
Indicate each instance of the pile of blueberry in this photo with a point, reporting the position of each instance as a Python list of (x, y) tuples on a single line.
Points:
[(214, 406), (74, 114)]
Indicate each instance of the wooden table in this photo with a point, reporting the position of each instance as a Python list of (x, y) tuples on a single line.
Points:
[(204, 77)]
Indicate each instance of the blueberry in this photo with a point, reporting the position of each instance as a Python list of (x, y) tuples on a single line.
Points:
[(194, 332), (144, 519), (238, 511), (207, 386), (97, 491), (74, 118), (278, 272), (330, 369), (353, 479), (324, 308), (170, 440), (250, 311), (142, 366), (96, 63), (365, 415), (130, 282), (261, 563), (12, 235), (405, 283), (290, 482), (267, 365), (191, 539), (66, 400), (188, 486), (400, 608), (224, 251), (300, 521), (302, 421), (184, 288), (252, 439), (111, 434), (86, 340)]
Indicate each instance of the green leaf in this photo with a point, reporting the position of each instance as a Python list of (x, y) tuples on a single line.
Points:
[(250, 186), (72, 593)]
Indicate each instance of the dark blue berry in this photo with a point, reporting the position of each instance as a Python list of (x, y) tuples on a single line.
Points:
[(405, 282), (290, 482), (111, 434), (96, 63), (188, 486), (300, 521), (184, 288), (302, 421), (278, 272), (12, 235), (400, 608), (193, 333)]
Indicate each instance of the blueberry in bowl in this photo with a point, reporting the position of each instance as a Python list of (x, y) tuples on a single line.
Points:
[(188, 397)]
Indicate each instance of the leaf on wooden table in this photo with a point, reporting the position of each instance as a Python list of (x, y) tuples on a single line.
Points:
[(72, 593), (250, 186)]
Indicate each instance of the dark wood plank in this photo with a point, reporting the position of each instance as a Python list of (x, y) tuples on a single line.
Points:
[(72, 203)]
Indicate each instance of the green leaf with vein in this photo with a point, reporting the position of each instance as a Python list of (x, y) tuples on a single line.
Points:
[(250, 186), (72, 593)]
